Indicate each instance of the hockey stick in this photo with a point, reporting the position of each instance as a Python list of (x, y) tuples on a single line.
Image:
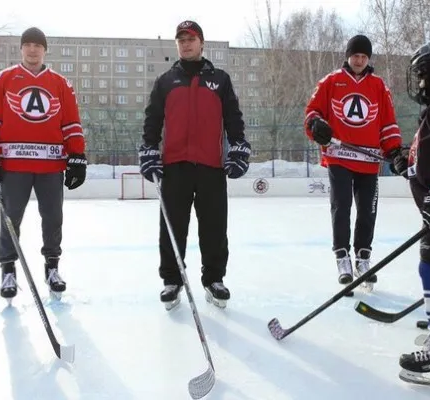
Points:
[(382, 316), (65, 353), (275, 326), (359, 149), (200, 385)]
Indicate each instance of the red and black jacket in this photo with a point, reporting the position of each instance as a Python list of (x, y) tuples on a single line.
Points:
[(195, 110)]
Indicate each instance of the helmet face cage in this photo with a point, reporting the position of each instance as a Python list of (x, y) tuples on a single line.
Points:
[(418, 76)]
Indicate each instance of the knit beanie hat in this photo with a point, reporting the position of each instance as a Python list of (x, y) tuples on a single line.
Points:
[(34, 35), (359, 44)]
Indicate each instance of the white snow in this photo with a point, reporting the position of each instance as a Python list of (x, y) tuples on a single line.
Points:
[(129, 347)]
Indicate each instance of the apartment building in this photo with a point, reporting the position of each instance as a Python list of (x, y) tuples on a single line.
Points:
[(113, 78)]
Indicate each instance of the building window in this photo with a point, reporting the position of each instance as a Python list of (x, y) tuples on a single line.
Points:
[(86, 52), (219, 55), (103, 52), (140, 53), (85, 99), (121, 52), (254, 62), (103, 114), (121, 116), (2, 65), (66, 67), (139, 68), (66, 52), (139, 115), (121, 83), (103, 99), (121, 68), (86, 83), (139, 98), (102, 83), (86, 67), (150, 85), (253, 121), (234, 76), (151, 68), (252, 77), (139, 83), (252, 92), (85, 115), (121, 99), (235, 61), (48, 65), (13, 49), (150, 52), (103, 68)]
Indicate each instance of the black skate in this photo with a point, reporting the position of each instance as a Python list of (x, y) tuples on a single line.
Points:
[(171, 296), (217, 294), (9, 286), (414, 366), (56, 284)]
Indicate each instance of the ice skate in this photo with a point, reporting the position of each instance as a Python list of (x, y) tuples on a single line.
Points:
[(416, 365), (217, 294), (9, 286), (344, 268), (171, 296), (362, 265), (56, 284)]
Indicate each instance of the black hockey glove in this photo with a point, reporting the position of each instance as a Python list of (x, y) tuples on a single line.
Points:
[(425, 211), (237, 161), (150, 162), (321, 131), (399, 161), (76, 171)]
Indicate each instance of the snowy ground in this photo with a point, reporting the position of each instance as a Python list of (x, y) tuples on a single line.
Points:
[(129, 347)]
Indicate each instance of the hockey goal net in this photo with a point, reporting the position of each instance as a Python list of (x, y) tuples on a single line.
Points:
[(132, 186)]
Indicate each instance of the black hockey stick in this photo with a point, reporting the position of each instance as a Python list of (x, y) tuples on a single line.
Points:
[(275, 326), (359, 149), (382, 316), (200, 385), (65, 353)]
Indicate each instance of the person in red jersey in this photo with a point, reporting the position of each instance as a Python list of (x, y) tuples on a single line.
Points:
[(197, 105), (40, 137), (354, 105)]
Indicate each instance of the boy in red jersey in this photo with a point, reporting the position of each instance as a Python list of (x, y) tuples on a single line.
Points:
[(40, 137), (353, 105)]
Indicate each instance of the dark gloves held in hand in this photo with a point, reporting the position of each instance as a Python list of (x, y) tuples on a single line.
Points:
[(321, 131), (76, 171), (150, 162), (399, 161), (237, 162)]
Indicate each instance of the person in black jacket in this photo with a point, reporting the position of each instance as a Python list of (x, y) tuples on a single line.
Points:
[(196, 104)]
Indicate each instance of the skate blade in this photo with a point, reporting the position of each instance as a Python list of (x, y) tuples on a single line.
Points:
[(55, 296), (414, 377), (170, 305), (367, 287), (9, 301), (216, 302)]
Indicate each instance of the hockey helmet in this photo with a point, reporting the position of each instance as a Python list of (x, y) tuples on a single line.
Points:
[(418, 76)]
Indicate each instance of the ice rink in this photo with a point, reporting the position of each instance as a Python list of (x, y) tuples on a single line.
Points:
[(281, 265)]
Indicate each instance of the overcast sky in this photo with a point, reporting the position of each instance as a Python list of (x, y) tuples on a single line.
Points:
[(227, 20)]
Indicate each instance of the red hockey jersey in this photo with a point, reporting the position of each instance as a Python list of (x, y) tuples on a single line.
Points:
[(39, 121), (360, 113)]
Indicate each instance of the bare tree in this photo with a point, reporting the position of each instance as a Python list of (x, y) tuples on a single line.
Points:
[(414, 23), (297, 53)]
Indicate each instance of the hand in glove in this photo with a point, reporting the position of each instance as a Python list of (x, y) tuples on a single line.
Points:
[(76, 171), (237, 162), (399, 164), (150, 162), (321, 131)]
